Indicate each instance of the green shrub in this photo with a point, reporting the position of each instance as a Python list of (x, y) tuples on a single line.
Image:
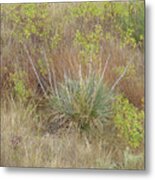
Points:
[(42, 67), (89, 43), (86, 102), (129, 121), (131, 72), (30, 20), (20, 89), (123, 21)]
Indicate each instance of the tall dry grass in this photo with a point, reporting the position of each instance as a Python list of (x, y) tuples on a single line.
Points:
[(26, 138), (65, 56), (23, 145)]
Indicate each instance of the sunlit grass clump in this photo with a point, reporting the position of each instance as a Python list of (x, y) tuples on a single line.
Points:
[(86, 101)]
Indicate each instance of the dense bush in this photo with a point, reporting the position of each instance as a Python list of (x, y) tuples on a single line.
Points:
[(122, 20), (29, 20), (89, 43), (129, 121)]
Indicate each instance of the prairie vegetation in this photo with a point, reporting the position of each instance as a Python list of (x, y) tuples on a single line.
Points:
[(72, 85)]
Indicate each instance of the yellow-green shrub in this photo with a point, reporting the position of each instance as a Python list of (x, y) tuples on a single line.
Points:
[(89, 43), (123, 21), (20, 89), (129, 121)]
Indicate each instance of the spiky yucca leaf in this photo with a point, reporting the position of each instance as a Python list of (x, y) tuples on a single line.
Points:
[(85, 101)]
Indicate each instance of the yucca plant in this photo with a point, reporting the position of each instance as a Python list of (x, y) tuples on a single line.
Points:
[(86, 102)]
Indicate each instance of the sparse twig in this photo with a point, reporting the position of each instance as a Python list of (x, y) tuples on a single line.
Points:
[(122, 75), (48, 70), (80, 74), (105, 66), (90, 66), (34, 69), (54, 81)]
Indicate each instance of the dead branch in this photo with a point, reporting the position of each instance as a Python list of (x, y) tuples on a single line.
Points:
[(34, 69), (105, 66), (122, 75), (48, 70)]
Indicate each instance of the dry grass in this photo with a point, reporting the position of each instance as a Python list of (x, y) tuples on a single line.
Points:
[(24, 145), (25, 139), (65, 57)]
